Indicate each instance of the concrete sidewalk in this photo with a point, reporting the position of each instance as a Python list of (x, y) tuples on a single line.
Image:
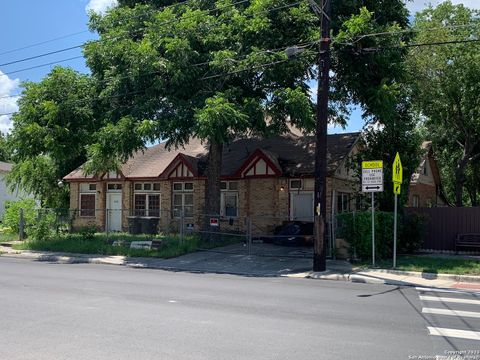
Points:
[(245, 265)]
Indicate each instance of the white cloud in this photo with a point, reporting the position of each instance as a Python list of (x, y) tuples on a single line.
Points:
[(100, 6), (418, 5), (8, 104)]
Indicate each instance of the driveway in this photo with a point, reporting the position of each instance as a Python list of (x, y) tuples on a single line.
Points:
[(264, 260)]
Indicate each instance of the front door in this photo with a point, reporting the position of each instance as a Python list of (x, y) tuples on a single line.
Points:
[(114, 211), (302, 206)]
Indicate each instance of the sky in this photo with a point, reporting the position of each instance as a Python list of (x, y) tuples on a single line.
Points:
[(30, 28)]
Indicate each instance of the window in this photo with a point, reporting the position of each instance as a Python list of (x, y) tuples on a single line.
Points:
[(87, 205), (147, 186), (182, 199), (416, 201), (296, 184), (343, 202), (229, 204), (147, 205), (85, 187), (425, 171), (146, 200), (113, 187), (229, 199), (87, 199)]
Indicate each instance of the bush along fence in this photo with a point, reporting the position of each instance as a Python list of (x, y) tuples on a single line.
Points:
[(356, 229), (102, 229)]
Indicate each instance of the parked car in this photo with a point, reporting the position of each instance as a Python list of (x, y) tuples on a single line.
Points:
[(294, 233)]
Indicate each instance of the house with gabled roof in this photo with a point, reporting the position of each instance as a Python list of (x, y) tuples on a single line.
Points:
[(271, 179), (426, 189)]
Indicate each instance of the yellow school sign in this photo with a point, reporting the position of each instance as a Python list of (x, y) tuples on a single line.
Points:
[(397, 174)]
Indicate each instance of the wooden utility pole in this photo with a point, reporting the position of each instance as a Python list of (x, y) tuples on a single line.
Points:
[(319, 246)]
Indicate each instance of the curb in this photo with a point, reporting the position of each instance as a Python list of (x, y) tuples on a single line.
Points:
[(121, 261), (425, 275)]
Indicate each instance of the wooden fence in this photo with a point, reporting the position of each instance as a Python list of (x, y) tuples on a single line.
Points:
[(444, 223)]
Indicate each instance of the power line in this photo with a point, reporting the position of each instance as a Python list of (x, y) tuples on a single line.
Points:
[(41, 65), (437, 43), (205, 78), (41, 55), (143, 28), (43, 42), (410, 30), (299, 45)]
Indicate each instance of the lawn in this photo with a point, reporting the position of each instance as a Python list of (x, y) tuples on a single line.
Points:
[(100, 244), (436, 265)]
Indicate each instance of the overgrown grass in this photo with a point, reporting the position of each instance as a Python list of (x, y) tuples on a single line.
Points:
[(6, 237), (435, 265), (103, 245)]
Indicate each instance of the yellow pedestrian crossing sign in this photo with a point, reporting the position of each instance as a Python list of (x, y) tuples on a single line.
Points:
[(397, 170), (397, 188)]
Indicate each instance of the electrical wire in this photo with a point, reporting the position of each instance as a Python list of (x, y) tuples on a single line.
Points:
[(144, 28), (205, 78), (41, 55), (43, 42), (41, 65)]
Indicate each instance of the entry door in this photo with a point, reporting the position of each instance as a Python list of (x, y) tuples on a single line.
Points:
[(302, 206), (114, 207)]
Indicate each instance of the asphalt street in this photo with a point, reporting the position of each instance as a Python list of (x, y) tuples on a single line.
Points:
[(82, 311)]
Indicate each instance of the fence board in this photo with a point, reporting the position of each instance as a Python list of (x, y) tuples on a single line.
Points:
[(444, 223)]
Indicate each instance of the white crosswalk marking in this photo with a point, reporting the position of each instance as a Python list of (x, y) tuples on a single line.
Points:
[(449, 299), (450, 312), (463, 334), (455, 314), (426, 289)]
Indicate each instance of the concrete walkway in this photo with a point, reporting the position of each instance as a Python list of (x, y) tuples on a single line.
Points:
[(291, 262)]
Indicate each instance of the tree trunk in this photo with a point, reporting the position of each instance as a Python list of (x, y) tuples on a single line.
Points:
[(212, 190), (460, 180)]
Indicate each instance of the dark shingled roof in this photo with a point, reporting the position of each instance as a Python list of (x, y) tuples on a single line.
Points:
[(294, 154)]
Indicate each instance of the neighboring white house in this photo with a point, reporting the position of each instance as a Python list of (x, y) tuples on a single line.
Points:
[(5, 193)]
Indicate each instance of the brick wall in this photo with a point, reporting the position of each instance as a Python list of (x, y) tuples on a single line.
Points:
[(427, 195)]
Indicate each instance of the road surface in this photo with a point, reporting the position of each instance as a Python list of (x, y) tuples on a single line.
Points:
[(80, 311)]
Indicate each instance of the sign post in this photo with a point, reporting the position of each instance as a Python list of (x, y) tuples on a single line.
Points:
[(372, 182), (397, 178)]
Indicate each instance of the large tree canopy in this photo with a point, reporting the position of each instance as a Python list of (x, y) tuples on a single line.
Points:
[(218, 70), (448, 88), (51, 129)]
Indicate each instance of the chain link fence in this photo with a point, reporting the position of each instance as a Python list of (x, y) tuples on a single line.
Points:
[(262, 235)]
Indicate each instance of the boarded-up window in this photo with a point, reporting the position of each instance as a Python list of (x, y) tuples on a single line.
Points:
[(87, 205)]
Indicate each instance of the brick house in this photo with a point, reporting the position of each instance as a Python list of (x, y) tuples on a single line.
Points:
[(425, 184), (270, 180)]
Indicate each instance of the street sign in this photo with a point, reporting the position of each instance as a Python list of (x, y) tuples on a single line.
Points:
[(397, 178), (214, 222), (372, 176), (372, 182), (397, 170), (397, 188)]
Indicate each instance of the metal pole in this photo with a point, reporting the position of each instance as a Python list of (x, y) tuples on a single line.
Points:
[(182, 227), (373, 229), (319, 248), (249, 229), (21, 226), (395, 233)]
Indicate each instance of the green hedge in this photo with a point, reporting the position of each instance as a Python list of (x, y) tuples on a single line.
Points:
[(356, 229)]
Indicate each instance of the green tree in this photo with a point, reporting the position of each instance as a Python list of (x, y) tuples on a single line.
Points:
[(53, 125), (447, 91), (4, 150), (217, 70)]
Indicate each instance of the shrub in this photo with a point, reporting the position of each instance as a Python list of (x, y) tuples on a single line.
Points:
[(11, 218), (356, 228), (44, 226), (413, 231), (88, 232)]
